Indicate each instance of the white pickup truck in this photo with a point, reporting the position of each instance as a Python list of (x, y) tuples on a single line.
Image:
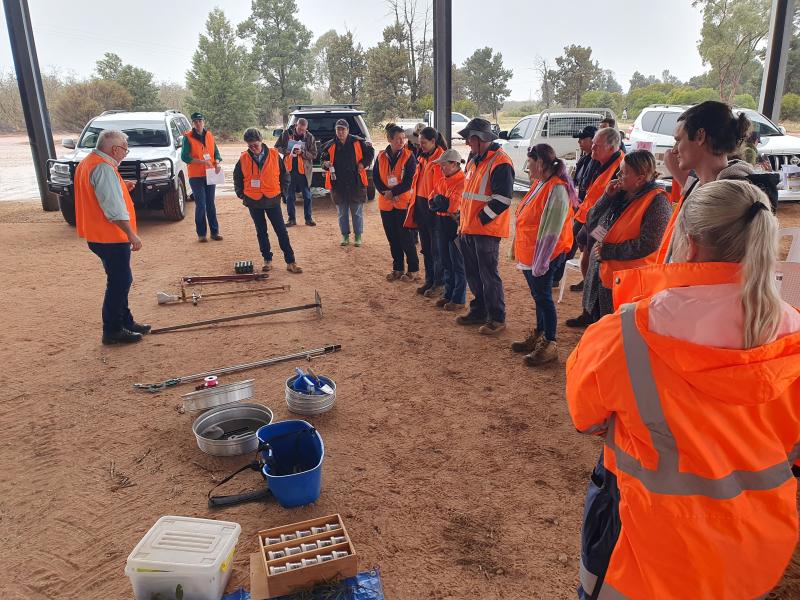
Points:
[(457, 122)]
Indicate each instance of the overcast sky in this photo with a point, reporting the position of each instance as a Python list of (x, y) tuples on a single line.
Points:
[(161, 36)]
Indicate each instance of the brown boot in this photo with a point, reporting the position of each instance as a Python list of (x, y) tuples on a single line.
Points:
[(433, 292), (410, 277), (492, 328), (528, 345), (394, 275), (441, 302), (545, 352), (294, 268)]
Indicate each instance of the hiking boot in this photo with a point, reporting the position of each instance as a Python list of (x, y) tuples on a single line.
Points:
[(546, 351), (394, 276), (267, 266), (423, 288), (142, 328), (578, 322), (201, 239), (410, 277), (442, 301), (576, 287), (471, 319), (291, 223), (294, 268), (454, 306), (345, 240), (492, 328), (529, 343), (216, 237), (433, 292), (311, 223), (123, 336), (358, 241)]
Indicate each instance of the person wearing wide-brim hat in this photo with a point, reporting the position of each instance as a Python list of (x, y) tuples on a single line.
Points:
[(200, 153), (485, 220)]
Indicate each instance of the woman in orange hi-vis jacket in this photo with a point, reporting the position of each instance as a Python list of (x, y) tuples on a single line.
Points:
[(696, 390)]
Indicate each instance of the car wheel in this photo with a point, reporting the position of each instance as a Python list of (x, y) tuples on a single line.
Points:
[(67, 206), (175, 202)]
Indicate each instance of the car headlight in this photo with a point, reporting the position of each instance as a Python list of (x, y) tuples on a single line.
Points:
[(795, 160), (59, 173), (156, 169)]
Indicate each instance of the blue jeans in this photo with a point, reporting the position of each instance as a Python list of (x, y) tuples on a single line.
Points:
[(116, 260), (204, 207), (542, 292), (426, 225), (299, 183), (453, 276), (481, 256), (347, 208), (275, 216)]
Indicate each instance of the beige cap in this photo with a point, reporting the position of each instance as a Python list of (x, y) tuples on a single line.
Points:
[(451, 155)]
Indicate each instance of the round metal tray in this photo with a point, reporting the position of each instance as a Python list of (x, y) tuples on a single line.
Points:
[(219, 395), (243, 418)]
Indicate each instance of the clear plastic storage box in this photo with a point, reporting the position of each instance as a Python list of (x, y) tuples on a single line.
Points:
[(196, 554)]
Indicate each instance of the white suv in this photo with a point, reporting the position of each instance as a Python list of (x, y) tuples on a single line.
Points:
[(656, 123)]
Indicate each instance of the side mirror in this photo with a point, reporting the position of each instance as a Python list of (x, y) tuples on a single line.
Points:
[(782, 129), (68, 143), (503, 135), (179, 142), (277, 132)]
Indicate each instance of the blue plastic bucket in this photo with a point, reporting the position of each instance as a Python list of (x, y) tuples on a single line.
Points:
[(293, 461)]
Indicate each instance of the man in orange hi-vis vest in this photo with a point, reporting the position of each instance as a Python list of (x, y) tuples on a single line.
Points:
[(299, 149), (105, 218)]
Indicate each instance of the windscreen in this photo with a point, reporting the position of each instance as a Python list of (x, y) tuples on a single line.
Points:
[(147, 133)]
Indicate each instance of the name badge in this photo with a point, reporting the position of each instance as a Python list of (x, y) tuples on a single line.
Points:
[(206, 156), (599, 233), (255, 183), (392, 181)]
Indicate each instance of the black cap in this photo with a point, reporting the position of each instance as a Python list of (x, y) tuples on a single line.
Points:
[(478, 127), (342, 123), (587, 132), (197, 115)]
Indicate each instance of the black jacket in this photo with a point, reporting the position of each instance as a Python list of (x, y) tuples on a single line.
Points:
[(348, 181)]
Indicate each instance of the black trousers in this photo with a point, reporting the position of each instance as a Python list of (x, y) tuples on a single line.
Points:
[(116, 259), (401, 243), (481, 258), (425, 221)]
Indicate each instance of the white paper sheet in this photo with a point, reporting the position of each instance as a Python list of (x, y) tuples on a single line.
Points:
[(214, 178)]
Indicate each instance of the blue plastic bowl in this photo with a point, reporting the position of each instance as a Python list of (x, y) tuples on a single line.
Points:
[(293, 469)]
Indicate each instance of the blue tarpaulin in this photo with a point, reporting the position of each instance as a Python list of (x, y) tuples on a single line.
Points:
[(364, 586)]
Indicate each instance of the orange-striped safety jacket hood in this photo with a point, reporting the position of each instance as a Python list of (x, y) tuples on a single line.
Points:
[(359, 153), (701, 440), (386, 171), (478, 191), (199, 151), (597, 189), (529, 216), (426, 176), (264, 182), (453, 189), (628, 227), (90, 220)]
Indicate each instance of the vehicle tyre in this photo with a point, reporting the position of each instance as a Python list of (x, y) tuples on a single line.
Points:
[(67, 206), (175, 202)]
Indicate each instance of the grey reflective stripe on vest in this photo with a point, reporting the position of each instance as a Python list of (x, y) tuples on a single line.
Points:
[(667, 478), (484, 183), (589, 580)]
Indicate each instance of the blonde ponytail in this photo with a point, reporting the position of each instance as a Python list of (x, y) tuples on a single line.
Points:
[(732, 221)]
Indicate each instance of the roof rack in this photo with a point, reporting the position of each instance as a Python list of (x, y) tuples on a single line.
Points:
[(111, 112), (172, 110), (322, 106)]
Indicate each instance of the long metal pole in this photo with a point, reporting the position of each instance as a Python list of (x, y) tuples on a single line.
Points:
[(31, 92), (443, 67), (780, 34)]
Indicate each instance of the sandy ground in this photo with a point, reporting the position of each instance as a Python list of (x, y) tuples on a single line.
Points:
[(455, 468)]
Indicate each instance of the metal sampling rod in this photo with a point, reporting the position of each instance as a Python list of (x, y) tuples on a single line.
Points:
[(275, 311)]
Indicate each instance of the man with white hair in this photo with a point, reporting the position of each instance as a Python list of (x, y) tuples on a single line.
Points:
[(105, 217)]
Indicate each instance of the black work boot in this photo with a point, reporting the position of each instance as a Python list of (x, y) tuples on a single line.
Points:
[(123, 336), (143, 328)]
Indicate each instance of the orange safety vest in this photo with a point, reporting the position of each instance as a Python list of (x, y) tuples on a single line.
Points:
[(359, 156), (529, 216), (385, 171), (453, 189), (198, 152), (267, 179), (288, 162), (478, 191), (707, 497), (90, 221), (666, 241), (628, 227), (424, 182), (597, 189)]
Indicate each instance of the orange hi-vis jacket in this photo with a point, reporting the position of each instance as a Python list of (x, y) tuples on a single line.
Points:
[(597, 189), (90, 221), (453, 189), (701, 440), (359, 152), (478, 191), (666, 241), (264, 182), (397, 202), (426, 177), (287, 162), (628, 227), (529, 216), (199, 152)]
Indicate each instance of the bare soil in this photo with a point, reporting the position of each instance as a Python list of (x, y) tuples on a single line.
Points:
[(455, 468)]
